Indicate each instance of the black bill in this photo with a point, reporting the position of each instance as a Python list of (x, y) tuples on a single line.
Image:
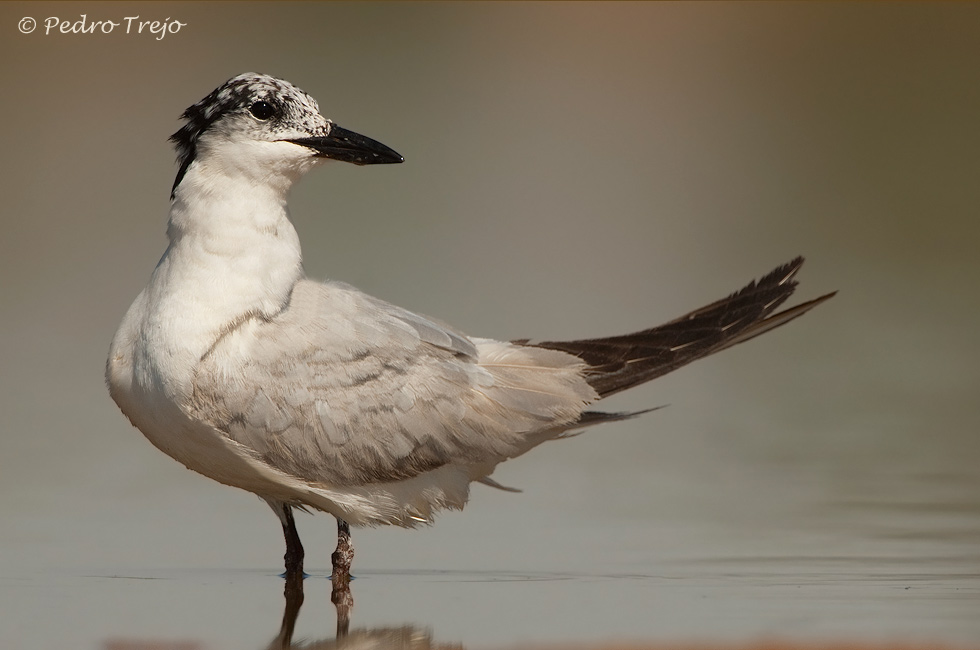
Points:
[(341, 144)]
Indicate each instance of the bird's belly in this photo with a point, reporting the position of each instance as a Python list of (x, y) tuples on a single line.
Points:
[(207, 451)]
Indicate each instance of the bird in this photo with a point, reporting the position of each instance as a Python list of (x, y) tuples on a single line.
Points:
[(316, 396)]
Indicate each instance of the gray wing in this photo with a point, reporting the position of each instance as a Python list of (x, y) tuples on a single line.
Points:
[(344, 389)]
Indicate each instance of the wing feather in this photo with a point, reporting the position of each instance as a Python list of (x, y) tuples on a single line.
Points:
[(342, 389)]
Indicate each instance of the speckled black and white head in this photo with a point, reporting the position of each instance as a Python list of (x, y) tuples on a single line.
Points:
[(261, 128)]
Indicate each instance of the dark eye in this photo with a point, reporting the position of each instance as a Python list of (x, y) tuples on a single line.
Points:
[(262, 110)]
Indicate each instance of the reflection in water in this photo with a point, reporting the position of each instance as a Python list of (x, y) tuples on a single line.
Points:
[(386, 638), (885, 552), (294, 600), (830, 588)]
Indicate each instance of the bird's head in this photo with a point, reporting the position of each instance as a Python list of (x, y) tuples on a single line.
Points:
[(265, 129)]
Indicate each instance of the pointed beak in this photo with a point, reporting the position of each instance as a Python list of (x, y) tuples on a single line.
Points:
[(347, 146)]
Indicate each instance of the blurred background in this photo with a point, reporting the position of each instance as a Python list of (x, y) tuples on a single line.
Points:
[(572, 170)]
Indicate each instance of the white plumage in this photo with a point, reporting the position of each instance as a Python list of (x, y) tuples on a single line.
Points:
[(316, 395)]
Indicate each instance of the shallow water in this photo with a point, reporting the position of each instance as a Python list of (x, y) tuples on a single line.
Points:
[(814, 599), (882, 560)]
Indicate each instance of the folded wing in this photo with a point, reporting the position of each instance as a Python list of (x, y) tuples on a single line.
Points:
[(343, 389)]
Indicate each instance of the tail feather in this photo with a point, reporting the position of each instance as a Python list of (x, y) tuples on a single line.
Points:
[(620, 362)]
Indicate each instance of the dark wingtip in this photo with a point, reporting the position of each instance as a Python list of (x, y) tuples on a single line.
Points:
[(620, 362)]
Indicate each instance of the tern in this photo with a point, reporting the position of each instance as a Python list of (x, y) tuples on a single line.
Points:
[(316, 396)]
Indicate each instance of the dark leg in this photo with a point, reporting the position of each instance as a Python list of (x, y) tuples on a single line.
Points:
[(294, 548), (341, 595), (293, 575)]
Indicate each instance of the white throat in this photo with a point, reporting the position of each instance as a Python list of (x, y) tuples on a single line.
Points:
[(233, 255)]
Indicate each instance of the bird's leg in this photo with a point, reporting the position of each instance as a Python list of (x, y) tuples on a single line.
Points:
[(342, 557), (294, 548), (341, 595)]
